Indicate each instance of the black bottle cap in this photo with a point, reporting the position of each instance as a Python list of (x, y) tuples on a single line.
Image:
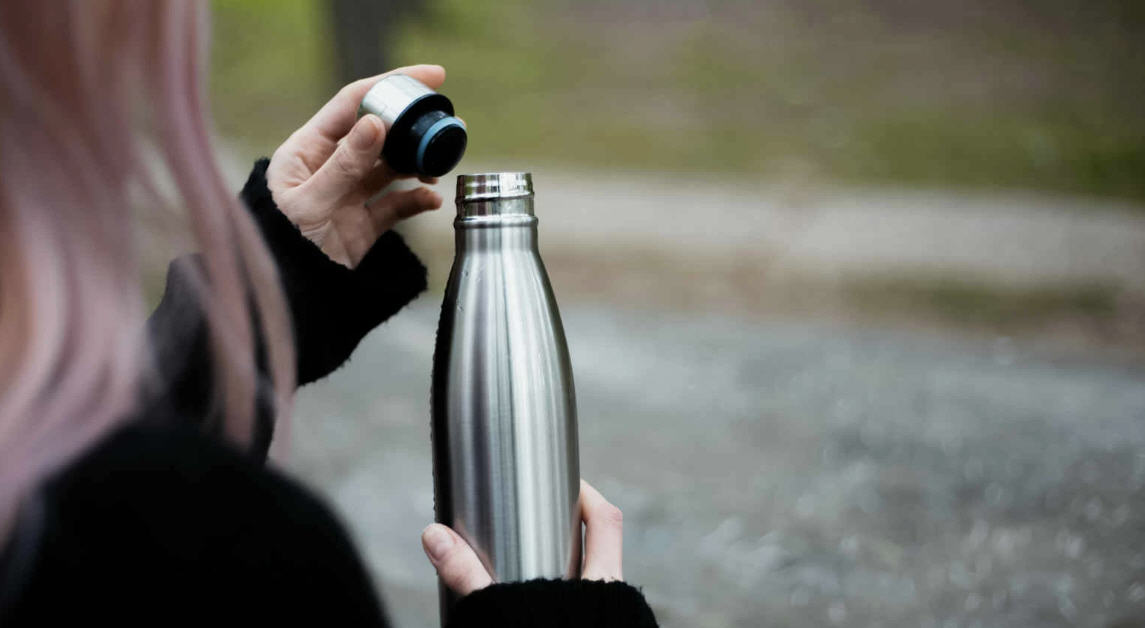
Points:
[(441, 143), (426, 138), (422, 135)]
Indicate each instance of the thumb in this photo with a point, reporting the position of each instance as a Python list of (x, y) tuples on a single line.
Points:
[(352, 160), (456, 563)]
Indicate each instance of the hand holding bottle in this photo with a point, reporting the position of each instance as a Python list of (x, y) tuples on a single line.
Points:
[(459, 568)]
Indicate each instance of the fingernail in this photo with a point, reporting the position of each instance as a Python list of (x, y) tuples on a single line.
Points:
[(365, 133), (436, 541)]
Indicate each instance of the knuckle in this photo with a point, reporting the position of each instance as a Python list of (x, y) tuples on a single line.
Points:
[(344, 164), (612, 515)]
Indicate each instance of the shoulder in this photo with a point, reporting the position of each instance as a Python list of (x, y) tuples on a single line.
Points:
[(157, 518)]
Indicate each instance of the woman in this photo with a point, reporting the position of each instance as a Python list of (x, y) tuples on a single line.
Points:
[(133, 487)]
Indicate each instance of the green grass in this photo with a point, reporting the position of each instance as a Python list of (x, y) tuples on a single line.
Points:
[(270, 63), (1001, 99)]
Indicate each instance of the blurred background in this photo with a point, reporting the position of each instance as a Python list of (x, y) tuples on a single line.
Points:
[(854, 291)]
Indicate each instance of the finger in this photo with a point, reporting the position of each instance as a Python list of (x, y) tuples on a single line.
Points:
[(383, 175), (456, 563), (336, 117), (352, 161), (603, 537), (395, 206)]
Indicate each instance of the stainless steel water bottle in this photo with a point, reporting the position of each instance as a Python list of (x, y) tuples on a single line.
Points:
[(506, 467)]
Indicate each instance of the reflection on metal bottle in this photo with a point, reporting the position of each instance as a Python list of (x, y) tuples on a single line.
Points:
[(506, 469)]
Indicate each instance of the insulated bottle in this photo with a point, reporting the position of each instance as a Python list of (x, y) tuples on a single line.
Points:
[(504, 430)]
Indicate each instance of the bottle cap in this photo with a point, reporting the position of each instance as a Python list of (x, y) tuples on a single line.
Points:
[(441, 145), (422, 134)]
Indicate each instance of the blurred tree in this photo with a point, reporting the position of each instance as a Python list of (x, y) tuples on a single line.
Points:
[(363, 30)]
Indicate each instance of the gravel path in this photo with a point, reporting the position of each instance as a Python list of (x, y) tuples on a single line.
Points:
[(790, 474)]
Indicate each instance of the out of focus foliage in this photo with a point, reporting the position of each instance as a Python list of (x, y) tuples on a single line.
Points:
[(1009, 93)]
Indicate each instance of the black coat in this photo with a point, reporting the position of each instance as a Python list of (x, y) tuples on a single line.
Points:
[(162, 522)]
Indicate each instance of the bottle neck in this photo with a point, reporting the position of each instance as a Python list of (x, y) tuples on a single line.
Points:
[(506, 224), (496, 211)]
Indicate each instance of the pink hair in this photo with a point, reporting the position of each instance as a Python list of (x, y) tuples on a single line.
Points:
[(77, 79)]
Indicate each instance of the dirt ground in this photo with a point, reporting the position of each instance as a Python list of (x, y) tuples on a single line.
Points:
[(790, 474)]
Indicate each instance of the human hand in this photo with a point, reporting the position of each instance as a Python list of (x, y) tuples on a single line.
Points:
[(459, 568), (325, 174)]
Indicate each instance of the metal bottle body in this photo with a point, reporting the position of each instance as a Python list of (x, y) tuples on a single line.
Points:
[(506, 468)]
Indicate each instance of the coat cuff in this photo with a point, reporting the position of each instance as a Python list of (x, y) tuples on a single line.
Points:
[(554, 604), (332, 307)]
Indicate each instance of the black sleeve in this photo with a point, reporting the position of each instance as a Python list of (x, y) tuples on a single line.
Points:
[(332, 308), (555, 604), (162, 525)]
